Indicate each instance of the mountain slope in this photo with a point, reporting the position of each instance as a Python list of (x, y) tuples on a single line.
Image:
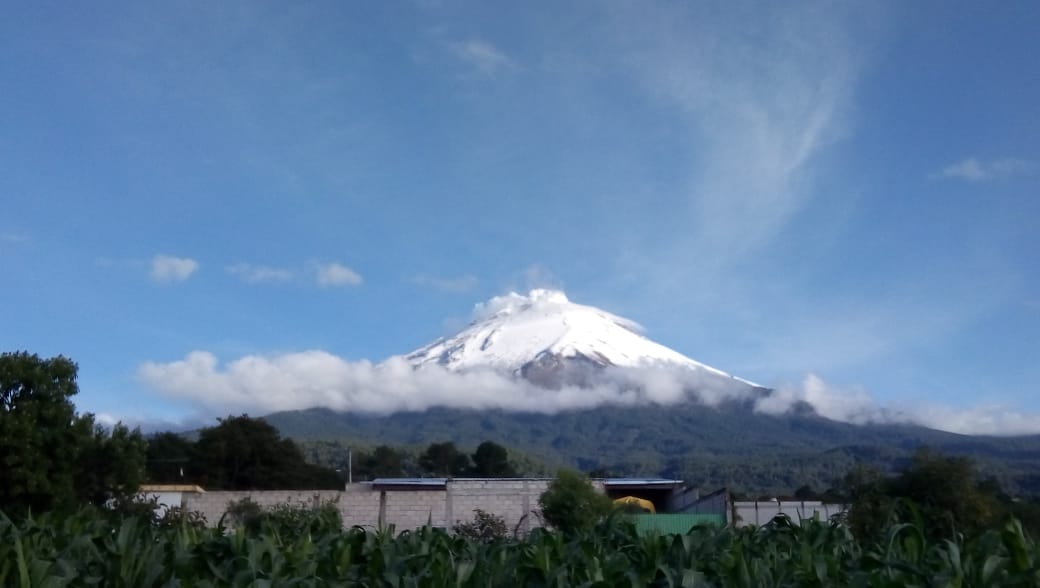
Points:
[(726, 445)]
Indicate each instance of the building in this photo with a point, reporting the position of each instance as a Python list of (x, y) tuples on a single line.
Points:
[(407, 503)]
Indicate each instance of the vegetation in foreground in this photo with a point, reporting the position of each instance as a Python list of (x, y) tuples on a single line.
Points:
[(91, 548)]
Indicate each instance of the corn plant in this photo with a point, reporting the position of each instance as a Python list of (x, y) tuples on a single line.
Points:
[(93, 549)]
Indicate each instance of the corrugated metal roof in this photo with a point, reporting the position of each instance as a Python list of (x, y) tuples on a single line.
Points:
[(641, 482), (607, 482), (411, 482)]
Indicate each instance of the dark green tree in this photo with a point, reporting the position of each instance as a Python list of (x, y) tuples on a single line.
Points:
[(444, 459), (949, 493), (571, 503), (112, 465), (491, 460), (866, 491), (806, 492), (243, 453), (384, 462), (169, 459), (52, 458), (943, 490)]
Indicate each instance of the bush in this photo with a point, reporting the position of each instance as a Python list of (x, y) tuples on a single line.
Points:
[(485, 526), (178, 516), (287, 519), (572, 504)]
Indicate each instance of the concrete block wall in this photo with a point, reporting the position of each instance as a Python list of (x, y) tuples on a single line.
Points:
[(515, 500), (213, 505), (409, 509), (359, 506)]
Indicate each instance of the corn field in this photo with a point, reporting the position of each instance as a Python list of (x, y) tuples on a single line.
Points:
[(89, 549)]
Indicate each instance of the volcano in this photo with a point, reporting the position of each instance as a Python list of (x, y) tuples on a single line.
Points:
[(550, 341)]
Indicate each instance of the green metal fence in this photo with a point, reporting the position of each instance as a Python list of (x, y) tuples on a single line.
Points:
[(674, 523)]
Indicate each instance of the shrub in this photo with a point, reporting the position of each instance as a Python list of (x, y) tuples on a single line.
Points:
[(485, 526), (572, 504), (286, 519)]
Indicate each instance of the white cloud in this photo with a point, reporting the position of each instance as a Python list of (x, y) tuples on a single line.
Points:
[(840, 405), (259, 384), (482, 56), (456, 285), (166, 268), (978, 420), (336, 274), (760, 107), (858, 407), (975, 170), (259, 274)]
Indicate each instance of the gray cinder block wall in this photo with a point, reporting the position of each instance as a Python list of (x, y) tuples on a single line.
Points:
[(362, 504)]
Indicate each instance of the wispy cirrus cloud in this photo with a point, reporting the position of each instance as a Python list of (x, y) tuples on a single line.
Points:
[(482, 57), (324, 274), (761, 109), (972, 169), (260, 274), (170, 269), (334, 274)]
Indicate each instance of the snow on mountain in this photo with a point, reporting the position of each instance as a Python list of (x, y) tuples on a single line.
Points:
[(546, 338)]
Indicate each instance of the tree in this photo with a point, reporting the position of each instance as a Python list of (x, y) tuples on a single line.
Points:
[(491, 460), (112, 465), (385, 462), (169, 458), (51, 457), (947, 491), (806, 492), (570, 503), (444, 459), (243, 453), (943, 490), (870, 504)]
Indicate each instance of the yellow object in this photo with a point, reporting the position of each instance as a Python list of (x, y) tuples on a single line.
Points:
[(633, 501)]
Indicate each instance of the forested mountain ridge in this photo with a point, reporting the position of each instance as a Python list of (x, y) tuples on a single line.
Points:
[(727, 445)]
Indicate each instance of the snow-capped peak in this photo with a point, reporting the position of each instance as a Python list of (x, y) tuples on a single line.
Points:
[(513, 331)]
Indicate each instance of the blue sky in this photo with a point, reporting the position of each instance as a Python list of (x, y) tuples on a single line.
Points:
[(811, 196)]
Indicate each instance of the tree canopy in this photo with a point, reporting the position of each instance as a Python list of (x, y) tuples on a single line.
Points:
[(943, 490), (240, 453), (53, 458), (383, 462), (444, 459), (571, 503), (170, 458), (491, 460)]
